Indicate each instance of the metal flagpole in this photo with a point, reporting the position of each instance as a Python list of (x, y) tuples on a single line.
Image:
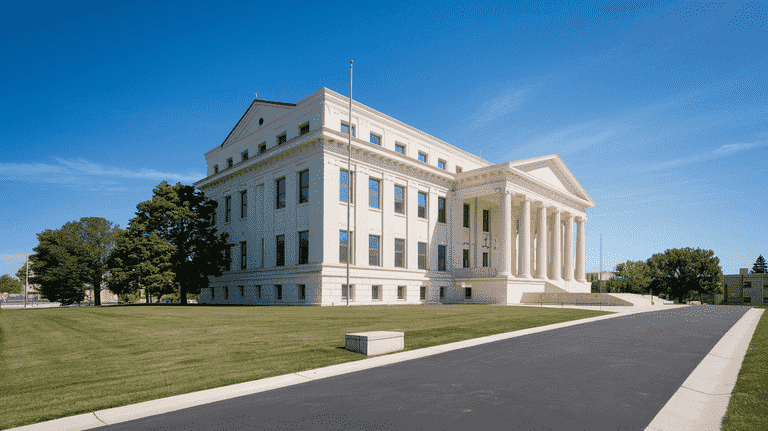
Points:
[(26, 283), (349, 182), (601, 264)]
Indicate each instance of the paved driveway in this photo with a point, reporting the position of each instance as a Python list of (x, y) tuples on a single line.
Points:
[(613, 374)]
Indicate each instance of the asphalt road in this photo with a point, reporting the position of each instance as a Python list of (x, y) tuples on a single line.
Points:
[(614, 374)]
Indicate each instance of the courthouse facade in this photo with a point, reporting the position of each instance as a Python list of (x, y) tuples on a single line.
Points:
[(429, 221)]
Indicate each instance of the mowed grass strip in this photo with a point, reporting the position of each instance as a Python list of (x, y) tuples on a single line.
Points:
[(748, 408), (63, 362)]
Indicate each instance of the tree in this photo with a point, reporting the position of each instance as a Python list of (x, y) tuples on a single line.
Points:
[(140, 261), (759, 267), (681, 272), (634, 276), (67, 259), (10, 285), (182, 217), (21, 274)]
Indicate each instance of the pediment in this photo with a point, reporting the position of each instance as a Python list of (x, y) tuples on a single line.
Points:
[(256, 117), (551, 171)]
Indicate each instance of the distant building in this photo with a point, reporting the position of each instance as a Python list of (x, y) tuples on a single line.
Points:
[(746, 287), (595, 276)]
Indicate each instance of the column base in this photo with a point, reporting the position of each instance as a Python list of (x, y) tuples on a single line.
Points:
[(527, 276), (544, 278), (582, 280)]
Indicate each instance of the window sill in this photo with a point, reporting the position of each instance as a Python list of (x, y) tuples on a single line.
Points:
[(303, 204), (378, 210), (279, 210), (400, 215)]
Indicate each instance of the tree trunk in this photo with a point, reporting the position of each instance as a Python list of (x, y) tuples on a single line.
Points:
[(97, 292)]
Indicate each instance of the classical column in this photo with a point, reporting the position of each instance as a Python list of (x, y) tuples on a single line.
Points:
[(556, 263), (525, 232), (505, 234), (543, 242), (476, 262), (580, 244), (569, 248)]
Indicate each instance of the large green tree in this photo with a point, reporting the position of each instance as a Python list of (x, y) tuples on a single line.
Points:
[(760, 266), (681, 272), (8, 284), (68, 258), (634, 277), (141, 261), (182, 217)]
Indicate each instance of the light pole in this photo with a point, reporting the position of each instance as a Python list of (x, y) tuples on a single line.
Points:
[(349, 181), (26, 282), (600, 274)]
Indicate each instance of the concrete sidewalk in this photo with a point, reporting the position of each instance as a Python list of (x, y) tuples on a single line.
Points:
[(700, 403)]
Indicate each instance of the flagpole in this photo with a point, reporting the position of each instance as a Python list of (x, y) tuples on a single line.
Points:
[(601, 264), (26, 283), (349, 180)]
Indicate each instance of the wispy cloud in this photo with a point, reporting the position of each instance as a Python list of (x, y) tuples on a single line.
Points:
[(498, 107), (722, 151)]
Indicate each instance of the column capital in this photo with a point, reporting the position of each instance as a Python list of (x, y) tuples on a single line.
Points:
[(581, 219)]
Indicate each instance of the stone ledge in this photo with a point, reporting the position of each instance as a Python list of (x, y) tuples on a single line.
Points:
[(375, 342)]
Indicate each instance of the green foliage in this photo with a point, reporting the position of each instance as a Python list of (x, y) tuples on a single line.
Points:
[(633, 277), (10, 285), (140, 261), (760, 266), (681, 272), (21, 274)]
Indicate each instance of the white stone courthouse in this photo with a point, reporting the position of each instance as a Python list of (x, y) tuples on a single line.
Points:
[(429, 222)]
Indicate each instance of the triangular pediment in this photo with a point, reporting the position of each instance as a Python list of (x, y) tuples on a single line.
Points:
[(551, 171), (258, 115)]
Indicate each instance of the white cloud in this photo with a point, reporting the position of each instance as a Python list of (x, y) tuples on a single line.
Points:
[(722, 151), (497, 107)]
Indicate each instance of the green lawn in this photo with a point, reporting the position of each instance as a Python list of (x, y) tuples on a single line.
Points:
[(63, 362), (748, 409)]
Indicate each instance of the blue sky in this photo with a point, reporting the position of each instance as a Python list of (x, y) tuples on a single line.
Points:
[(660, 109)]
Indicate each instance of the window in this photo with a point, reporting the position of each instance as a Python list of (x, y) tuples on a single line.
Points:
[(422, 255), (459, 169), (280, 250), (258, 291), (302, 289), (399, 253), (486, 221), (442, 292), (229, 162), (485, 260), (423, 293), (441, 209), (373, 192), (226, 292), (375, 139), (304, 129), (303, 247), (227, 208), (345, 186), (213, 293), (345, 238), (376, 293), (441, 258), (262, 148), (422, 205), (242, 291), (465, 259), (344, 290), (400, 292), (244, 155), (304, 186), (467, 293), (279, 292), (373, 250), (215, 169), (244, 204), (466, 215), (280, 193), (282, 138), (243, 255), (399, 199), (345, 129), (262, 253), (422, 157), (400, 148), (441, 164), (213, 216)]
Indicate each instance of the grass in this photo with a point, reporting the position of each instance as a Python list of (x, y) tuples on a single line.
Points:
[(63, 362), (748, 408)]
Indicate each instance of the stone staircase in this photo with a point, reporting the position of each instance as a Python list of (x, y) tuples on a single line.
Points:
[(640, 300)]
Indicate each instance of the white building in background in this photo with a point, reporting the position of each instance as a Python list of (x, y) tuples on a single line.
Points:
[(429, 221)]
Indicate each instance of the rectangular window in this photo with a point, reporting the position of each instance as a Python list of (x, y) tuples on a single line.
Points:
[(441, 258), (422, 205), (242, 291), (486, 220), (343, 246), (442, 292), (373, 250), (279, 292), (244, 204), (346, 190), (304, 186), (213, 293), (262, 253), (422, 255), (373, 192), (400, 148), (400, 292), (375, 139), (280, 250), (465, 259), (441, 209), (399, 199), (376, 293), (229, 162), (262, 148), (258, 292), (227, 208), (215, 169), (441, 164), (303, 247), (467, 293), (459, 169), (423, 293), (226, 292), (282, 138), (302, 289), (244, 155), (399, 253), (243, 255), (304, 129), (280, 193), (345, 129), (466, 215), (485, 260), (228, 257), (344, 292), (422, 157)]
